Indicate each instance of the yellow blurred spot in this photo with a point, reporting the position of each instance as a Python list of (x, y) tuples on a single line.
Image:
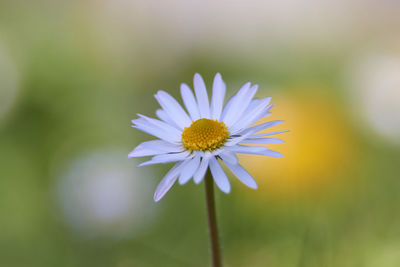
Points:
[(318, 148)]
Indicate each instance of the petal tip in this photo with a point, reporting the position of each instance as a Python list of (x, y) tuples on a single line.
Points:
[(198, 79), (184, 86), (278, 155), (156, 197), (226, 191), (254, 186)]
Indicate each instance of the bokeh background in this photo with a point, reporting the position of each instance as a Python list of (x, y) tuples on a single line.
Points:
[(74, 73)]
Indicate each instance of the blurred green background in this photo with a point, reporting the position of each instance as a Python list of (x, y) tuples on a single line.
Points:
[(74, 73)]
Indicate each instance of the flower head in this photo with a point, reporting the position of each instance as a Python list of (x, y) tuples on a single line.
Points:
[(207, 135)]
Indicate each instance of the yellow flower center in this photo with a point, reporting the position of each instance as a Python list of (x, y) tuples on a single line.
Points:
[(205, 134)]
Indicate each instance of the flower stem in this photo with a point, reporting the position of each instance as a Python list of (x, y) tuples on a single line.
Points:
[(212, 221)]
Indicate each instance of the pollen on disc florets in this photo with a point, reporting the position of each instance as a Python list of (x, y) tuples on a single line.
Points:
[(205, 134)]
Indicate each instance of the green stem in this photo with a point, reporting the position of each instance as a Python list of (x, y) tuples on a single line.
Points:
[(212, 221)]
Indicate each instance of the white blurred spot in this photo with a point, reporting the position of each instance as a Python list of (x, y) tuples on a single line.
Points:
[(243, 23), (376, 83), (105, 194), (8, 82)]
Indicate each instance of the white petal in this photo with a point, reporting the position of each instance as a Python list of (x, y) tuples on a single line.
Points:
[(217, 100), (262, 126), (144, 126), (219, 176), (189, 169), (173, 109), (250, 108), (255, 150), (201, 95), (227, 106), (154, 147), (162, 125), (236, 140), (240, 104), (234, 101), (190, 102), (261, 141), (254, 103), (240, 149), (217, 151), (248, 121), (272, 153), (242, 175), (164, 117), (268, 134), (166, 158), (167, 182), (229, 157), (260, 110), (199, 175)]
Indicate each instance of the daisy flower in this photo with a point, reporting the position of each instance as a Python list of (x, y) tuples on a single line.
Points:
[(206, 134)]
